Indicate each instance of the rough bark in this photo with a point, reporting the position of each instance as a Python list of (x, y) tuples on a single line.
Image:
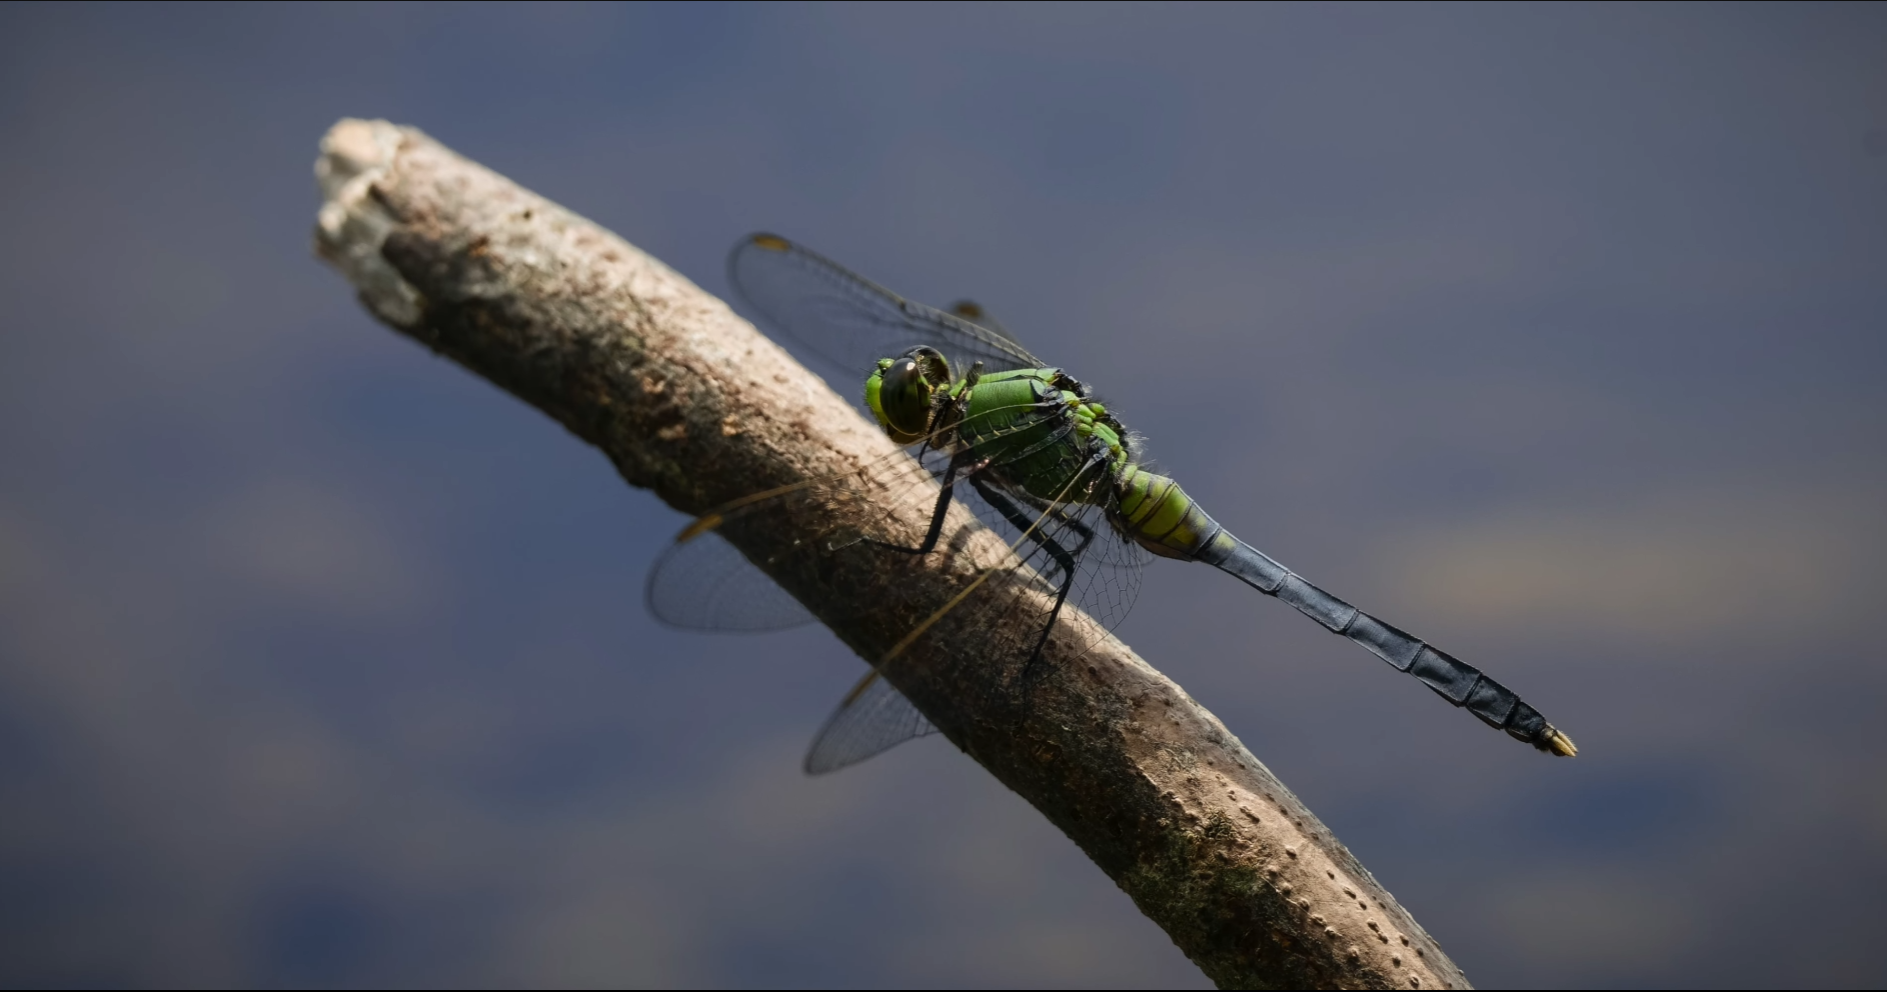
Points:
[(688, 400)]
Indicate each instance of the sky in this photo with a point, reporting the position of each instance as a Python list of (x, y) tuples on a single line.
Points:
[(1552, 334)]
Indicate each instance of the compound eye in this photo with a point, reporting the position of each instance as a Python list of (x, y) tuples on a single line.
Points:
[(905, 397)]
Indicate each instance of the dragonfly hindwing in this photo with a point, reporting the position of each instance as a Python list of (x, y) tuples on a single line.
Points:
[(873, 718)]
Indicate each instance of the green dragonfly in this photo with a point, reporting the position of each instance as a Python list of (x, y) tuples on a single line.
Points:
[(1027, 448)]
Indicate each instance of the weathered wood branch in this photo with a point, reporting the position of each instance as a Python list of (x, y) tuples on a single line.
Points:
[(687, 399)]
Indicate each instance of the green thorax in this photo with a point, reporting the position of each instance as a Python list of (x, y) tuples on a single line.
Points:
[(1041, 432), (1011, 414), (1043, 436)]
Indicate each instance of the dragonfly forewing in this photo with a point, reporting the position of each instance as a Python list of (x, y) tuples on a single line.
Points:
[(719, 573), (848, 321), (706, 584)]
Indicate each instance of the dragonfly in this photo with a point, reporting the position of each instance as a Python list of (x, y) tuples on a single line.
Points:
[(1034, 455)]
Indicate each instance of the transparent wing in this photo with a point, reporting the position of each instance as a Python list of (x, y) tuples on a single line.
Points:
[(1069, 544), (873, 718), (973, 312), (702, 582), (1061, 543), (1065, 554), (707, 584), (852, 322)]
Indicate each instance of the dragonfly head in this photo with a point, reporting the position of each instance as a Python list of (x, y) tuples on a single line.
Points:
[(902, 393)]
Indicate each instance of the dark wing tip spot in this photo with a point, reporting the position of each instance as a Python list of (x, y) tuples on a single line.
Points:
[(771, 242)]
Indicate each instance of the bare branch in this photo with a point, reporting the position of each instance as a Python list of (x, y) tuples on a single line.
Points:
[(688, 400)]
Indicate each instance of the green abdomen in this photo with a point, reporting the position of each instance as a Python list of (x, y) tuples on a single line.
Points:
[(1155, 512)]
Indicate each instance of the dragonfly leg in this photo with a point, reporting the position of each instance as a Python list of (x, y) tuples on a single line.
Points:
[(950, 413), (959, 463), (1064, 558)]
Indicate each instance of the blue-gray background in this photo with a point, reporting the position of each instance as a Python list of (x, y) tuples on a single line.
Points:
[(1554, 334)]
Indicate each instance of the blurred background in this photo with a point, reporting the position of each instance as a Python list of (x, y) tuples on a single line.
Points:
[(1552, 334)]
